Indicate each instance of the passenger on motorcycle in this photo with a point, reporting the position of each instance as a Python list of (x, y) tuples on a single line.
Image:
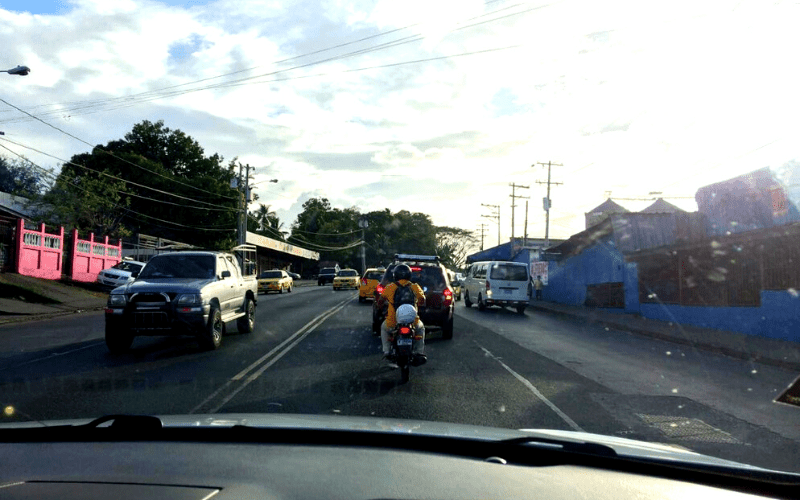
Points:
[(402, 291)]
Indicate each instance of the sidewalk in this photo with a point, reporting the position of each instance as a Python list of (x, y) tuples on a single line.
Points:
[(42, 299), (774, 352)]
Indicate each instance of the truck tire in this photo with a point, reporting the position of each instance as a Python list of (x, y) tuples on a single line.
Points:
[(481, 304), (467, 302), (247, 323), (211, 337), (118, 339)]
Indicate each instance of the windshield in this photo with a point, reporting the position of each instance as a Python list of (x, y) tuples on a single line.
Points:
[(374, 275), (128, 266), (633, 168), (509, 272), (179, 266)]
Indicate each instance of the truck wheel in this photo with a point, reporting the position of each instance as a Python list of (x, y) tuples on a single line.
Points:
[(447, 330), (211, 338), (521, 309), (118, 339), (247, 323), (481, 305), (467, 302)]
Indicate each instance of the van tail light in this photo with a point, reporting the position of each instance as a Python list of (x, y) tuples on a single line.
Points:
[(488, 286)]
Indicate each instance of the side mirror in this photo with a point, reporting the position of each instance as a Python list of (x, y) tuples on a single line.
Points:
[(226, 274)]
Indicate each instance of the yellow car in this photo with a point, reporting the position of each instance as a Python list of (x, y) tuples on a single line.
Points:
[(369, 281), (346, 278), (275, 281)]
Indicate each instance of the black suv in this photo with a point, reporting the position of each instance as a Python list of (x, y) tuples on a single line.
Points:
[(427, 272), (326, 275)]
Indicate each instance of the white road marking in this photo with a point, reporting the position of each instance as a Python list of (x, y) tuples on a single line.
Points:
[(276, 354), (535, 391)]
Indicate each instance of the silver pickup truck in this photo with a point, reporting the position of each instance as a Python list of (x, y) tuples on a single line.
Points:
[(184, 293)]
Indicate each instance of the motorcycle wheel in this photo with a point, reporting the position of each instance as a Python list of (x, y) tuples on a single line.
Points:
[(404, 373)]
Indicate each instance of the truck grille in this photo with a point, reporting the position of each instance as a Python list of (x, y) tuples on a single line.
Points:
[(150, 319)]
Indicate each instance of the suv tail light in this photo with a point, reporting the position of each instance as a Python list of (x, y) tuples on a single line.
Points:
[(448, 295)]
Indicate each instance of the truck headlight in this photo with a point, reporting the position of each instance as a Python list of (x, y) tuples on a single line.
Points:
[(117, 299), (189, 299)]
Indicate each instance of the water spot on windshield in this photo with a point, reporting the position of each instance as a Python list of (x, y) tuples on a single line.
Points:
[(501, 408), (669, 353), (793, 292), (675, 391)]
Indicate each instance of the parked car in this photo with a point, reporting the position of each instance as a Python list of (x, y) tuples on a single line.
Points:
[(498, 283), (326, 275), (372, 277), (431, 275), (347, 278), (119, 274), (275, 281)]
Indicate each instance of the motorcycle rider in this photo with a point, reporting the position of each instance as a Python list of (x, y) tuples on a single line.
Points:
[(402, 278)]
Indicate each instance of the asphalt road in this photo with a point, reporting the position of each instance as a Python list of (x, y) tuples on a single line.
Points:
[(312, 352)]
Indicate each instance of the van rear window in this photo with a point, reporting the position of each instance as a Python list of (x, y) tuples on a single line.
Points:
[(509, 272)]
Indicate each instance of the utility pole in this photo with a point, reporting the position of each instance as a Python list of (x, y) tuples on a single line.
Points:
[(525, 237), (363, 224), (547, 203), (494, 216), (514, 197), (244, 199), (483, 232)]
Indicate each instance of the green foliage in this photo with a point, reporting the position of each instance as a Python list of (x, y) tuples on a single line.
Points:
[(19, 177), (325, 229), (190, 200)]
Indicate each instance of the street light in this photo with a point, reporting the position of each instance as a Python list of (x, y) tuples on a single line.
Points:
[(19, 70)]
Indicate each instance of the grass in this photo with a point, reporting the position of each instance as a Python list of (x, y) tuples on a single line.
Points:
[(15, 292)]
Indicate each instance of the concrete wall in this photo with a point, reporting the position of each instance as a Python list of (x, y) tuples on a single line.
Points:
[(778, 317)]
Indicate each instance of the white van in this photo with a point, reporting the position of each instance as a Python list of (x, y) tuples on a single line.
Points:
[(497, 283)]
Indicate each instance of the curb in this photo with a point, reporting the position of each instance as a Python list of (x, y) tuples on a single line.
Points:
[(30, 318), (714, 348)]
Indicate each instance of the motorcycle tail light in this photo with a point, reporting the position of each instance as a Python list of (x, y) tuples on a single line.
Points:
[(405, 330), (379, 289)]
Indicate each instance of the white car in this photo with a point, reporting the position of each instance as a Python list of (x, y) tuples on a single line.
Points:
[(122, 273)]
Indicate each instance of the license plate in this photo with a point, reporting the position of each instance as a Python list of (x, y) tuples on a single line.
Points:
[(404, 341)]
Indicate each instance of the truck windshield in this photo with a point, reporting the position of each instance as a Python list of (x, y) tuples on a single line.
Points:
[(179, 266)]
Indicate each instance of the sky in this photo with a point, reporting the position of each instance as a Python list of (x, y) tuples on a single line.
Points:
[(434, 106)]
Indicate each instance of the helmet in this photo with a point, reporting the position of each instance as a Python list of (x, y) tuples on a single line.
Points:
[(402, 272), (406, 314)]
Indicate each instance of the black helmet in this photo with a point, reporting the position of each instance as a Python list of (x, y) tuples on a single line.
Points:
[(402, 272)]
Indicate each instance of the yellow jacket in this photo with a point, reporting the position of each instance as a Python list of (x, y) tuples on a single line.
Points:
[(388, 295)]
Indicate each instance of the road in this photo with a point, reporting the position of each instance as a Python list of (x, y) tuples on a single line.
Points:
[(312, 352)]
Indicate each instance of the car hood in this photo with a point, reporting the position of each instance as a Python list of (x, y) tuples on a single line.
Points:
[(622, 446), (165, 285)]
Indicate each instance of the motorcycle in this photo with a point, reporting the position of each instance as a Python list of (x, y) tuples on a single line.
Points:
[(402, 339)]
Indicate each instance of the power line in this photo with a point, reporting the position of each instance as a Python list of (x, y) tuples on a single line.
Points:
[(103, 150), (113, 176), (152, 95)]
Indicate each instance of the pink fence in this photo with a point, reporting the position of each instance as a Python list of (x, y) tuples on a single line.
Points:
[(39, 254), (89, 257)]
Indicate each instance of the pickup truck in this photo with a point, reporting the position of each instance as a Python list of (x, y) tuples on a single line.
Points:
[(183, 293)]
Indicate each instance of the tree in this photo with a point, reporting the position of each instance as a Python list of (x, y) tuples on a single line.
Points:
[(18, 177), (453, 245), (156, 181), (267, 223)]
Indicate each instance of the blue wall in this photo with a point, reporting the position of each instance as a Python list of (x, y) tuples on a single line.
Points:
[(777, 318), (567, 280)]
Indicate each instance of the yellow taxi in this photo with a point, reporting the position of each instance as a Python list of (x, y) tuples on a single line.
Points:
[(275, 281), (372, 277), (346, 278)]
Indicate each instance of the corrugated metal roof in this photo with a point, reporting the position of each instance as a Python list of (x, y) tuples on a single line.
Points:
[(660, 206)]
